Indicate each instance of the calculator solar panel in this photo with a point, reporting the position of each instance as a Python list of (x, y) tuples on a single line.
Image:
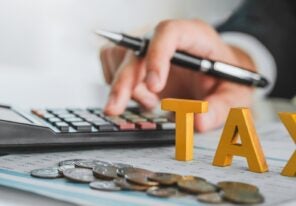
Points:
[(69, 128)]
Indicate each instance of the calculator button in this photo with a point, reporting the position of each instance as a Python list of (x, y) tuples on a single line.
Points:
[(48, 116), (146, 125), (126, 113), (126, 126), (159, 120), (82, 126), (138, 120), (54, 119), (98, 112), (92, 118), (131, 116), (66, 116), (74, 119), (74, 110), (91, 109), (103, 125), (118, 121), (115, 119), (58, 111), (62, 126), (149, 115), (82, 113), (167, 125)]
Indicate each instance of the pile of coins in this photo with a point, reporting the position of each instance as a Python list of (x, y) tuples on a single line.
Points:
[(107, 176)]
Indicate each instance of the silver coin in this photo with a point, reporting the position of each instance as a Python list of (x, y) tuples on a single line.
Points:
[(105, 172), (237, 186), (213, 198), (79, 175), (90, 164), (242, 196), (165, 178), (196, 186), (48, 173), (121, 165), (161, 192), (104, 185), (140, 179), (121, 172), (62, 168), (69, 162), (125, 185)]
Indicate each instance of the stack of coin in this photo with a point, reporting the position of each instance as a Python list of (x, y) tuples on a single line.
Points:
[(108, 176), (241, 193)]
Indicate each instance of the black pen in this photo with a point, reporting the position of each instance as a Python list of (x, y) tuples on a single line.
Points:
[(185, 60)]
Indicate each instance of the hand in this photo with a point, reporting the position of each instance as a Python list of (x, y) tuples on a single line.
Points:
[(148, 79)]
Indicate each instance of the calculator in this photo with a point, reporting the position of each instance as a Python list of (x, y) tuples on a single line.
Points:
[(68, 128)]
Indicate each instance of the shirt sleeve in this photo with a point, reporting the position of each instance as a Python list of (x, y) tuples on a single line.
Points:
[(272, 23)]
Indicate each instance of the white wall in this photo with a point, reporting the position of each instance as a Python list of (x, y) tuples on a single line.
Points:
[(48, 53)]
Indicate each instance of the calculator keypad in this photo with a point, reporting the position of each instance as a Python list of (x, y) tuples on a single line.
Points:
[(94, 120)]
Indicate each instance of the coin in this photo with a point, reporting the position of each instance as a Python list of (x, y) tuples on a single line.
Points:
[(165, 178), (140, 178), (90, 164), (121, 165), (161, 192), (237, 186), (79, 175), (125, 185), (68, 162), (213, 198), (197, 186), (48, 173), (105, 172), (127, 170), (190, 177), (242, 196), (64, 167), (104, 185)]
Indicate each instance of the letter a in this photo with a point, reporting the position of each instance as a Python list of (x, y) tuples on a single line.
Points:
[(184, 124), (289, 120), (239, 124)]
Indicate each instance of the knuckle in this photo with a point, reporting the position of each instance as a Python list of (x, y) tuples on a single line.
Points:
[(165, 26), (201, 25)]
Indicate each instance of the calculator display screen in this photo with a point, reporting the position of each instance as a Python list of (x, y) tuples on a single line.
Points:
[(9, 115)]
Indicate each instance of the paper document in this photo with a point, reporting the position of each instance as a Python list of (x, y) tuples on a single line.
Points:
[(277, 145)]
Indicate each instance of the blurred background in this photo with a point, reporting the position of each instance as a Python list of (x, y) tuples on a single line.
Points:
[(49, 54)]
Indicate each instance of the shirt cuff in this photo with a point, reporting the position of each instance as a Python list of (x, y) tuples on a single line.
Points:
[(262, 58)]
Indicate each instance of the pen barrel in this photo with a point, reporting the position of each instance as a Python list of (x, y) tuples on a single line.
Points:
[(237, 74), (136, 44), (185, 60), (219, 69)]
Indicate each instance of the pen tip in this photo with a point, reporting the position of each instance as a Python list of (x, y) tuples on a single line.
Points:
[(109, 35), (263, 82)]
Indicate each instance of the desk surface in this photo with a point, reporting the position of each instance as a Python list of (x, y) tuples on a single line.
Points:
[(265, 112)]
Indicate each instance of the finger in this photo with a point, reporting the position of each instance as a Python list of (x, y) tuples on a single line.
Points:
[(123, 84), (105, 64), (111, 58), (144, 97), (220, 103), (116, 57), (169, 37)]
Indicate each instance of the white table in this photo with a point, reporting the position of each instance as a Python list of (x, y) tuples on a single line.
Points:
[(265, 110)]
